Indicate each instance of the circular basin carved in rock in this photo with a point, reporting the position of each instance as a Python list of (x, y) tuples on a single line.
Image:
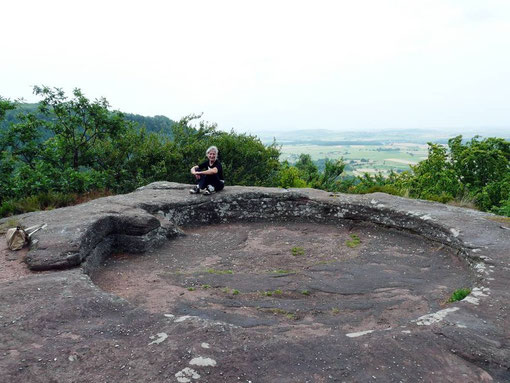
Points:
[(283, 276)]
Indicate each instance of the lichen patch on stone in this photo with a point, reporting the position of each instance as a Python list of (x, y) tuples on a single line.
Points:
[(455, 232), (160, 337), (360, 333), (201, 361), (186, 374), (427, 320), (183, 318)]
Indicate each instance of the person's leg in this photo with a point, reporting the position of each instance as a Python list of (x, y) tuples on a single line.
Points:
[(201, 185), (203, 182), (219, 185), (214, 181), (195, 189)]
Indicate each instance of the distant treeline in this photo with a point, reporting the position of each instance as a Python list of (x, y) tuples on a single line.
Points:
[(331, 143), (156, 124), (357, 142)]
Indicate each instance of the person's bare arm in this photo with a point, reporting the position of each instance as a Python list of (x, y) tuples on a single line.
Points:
[(194, 170), (208, 172)]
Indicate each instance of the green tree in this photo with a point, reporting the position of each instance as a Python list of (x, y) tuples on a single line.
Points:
[(330, 177), (307, 168), (138, 158), (24, 140), (6, 160), (483, 167), (290, 177), (479, 162), (77, 123), (372, 183), (245, 160), (477, 170), (435, 178), (5, 105)]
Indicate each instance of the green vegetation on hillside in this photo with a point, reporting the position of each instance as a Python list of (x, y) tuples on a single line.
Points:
[(65, 150), (475, 173), (93, 149), (156, 124)]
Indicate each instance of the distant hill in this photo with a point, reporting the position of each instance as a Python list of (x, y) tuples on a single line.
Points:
[(157, 124), (10, 116), (326, 137)]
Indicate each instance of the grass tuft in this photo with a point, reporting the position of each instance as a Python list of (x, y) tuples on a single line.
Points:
[(270, 293), (287, 314), (459, 295), (354, 241), (220, 272), (297, 251)]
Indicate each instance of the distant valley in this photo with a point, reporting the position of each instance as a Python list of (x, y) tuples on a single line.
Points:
[(368, 152)]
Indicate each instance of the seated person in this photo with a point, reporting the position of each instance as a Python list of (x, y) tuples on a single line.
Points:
[(209, 174)]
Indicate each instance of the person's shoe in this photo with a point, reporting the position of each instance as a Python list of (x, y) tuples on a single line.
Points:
[(209, 190), (195, 190)]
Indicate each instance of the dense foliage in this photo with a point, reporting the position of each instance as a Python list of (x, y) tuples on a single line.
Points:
[(65, 149), (475, 173), (91, 148)]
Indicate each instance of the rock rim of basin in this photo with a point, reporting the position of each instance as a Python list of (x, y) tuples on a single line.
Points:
[(84, 234)]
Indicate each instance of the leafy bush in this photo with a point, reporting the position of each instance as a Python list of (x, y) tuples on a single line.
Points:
[(477, 171), (290, 177), (503, 209)]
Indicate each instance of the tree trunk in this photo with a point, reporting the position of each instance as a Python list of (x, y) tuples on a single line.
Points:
[(75, 160)]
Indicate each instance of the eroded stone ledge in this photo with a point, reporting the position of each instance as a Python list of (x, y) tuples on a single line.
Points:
[(143, 219)]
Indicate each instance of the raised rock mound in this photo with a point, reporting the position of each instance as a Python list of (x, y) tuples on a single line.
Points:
[(257, 284)]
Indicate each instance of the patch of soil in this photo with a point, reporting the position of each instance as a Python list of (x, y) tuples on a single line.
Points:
[(12, 266), (303, 278)]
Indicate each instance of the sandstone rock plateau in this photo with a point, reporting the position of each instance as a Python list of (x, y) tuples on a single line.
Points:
[(257, 285)]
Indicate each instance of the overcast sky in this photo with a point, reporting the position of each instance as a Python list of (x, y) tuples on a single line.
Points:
[(270, 65)]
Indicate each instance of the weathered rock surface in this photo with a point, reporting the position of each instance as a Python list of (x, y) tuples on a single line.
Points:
[(59, 326)]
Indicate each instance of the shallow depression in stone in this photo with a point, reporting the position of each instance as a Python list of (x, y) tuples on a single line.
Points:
[(300, 276)]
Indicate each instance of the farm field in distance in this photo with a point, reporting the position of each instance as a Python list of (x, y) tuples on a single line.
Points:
[(369, 151), (361, 159)]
